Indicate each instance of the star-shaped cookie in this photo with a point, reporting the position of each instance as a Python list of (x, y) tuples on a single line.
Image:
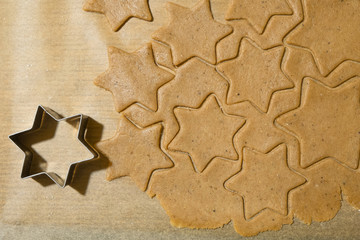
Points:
[(118, 12), (206, 133), (257, 12), (255, 75), (327, 122), (135, 152), (133, 77), (331, 31), (265, 181), (192, 32)]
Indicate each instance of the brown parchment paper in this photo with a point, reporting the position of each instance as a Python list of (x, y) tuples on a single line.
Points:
[(50, 52)]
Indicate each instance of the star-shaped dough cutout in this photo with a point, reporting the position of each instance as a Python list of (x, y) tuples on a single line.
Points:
[(331, 31), (133, 77), (192, 32), (135, 152), (257, 12), (118, 12), (206, 133), (327, 123), (255, 75), (265, 181)]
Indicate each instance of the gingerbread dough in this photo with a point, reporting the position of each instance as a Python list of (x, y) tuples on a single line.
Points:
[(255, 126)]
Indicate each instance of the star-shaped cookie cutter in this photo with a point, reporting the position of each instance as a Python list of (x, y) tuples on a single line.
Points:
[(29, 153)]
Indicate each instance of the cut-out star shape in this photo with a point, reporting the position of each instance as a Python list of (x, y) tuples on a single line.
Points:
[(257, 12), (265, 181), (327, 122), (133, 77), (135, 152), (118, 12), (331, 31), (206, 133), (255, 75), (192, 32)]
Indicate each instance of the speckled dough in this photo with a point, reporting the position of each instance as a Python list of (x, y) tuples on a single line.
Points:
[(257, 126)]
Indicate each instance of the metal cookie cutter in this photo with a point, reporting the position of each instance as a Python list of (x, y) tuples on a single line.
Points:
[(29, 154)]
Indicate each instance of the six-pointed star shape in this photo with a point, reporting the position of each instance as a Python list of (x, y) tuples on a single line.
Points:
[(331, 31), (133, 77), (265, 181), (257, 12), (206, 132), (43, 115), (192, 32), (255, 75), (119, 11), (135, 152), (327, 123)]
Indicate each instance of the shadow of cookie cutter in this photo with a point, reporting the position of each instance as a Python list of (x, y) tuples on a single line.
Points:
[(29, 154)]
